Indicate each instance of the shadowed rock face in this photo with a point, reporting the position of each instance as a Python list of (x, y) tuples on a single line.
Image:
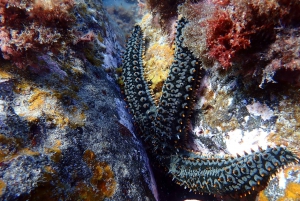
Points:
[(64, 131)]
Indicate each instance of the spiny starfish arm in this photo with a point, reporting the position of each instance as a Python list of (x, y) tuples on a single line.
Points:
[(232, 176), (165, 127), (136, 88), (178, 96)]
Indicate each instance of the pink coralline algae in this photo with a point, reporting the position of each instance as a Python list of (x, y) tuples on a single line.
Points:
[(30, 27)]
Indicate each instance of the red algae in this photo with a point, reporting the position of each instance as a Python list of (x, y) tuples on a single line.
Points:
[(32, 27), (255, 36)]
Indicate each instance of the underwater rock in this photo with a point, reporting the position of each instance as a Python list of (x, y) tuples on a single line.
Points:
[(64, 130)]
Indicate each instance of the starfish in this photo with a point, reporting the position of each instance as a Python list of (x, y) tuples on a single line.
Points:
[(165, 127)]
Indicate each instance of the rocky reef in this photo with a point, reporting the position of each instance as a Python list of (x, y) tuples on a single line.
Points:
[(64, 130)]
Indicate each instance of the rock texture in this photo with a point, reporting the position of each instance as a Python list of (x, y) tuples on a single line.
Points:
[(64, 130)]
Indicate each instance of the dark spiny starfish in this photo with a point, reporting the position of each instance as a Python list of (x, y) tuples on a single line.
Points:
[(165, 127)]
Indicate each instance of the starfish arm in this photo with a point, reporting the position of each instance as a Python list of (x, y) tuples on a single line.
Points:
[(232, 176), (136, 88), (178, 96), (165, 127)]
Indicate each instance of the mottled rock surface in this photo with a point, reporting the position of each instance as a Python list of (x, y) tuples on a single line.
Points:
[(64, 130)]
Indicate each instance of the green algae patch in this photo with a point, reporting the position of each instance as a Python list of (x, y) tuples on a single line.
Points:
[(90, 56)]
